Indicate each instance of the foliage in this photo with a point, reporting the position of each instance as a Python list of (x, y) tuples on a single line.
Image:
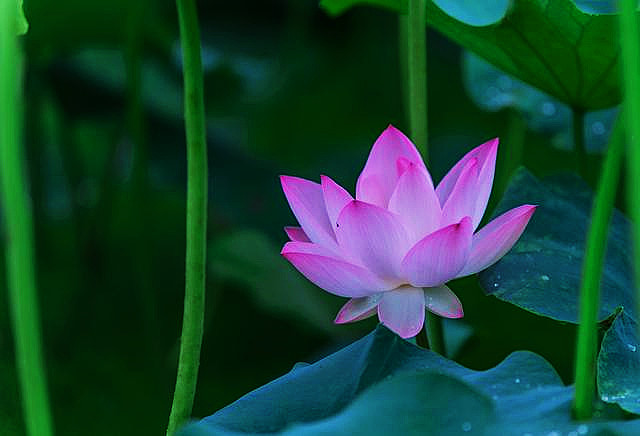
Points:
[(287, 89), (542, 274), (553, 45), (418, 390)]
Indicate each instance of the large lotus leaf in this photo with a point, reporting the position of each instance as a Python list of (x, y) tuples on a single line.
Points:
[(542, 272), (382, 384), (568, 52), (619, 364)]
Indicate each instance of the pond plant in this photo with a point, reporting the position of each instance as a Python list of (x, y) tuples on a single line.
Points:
[(400, 246)]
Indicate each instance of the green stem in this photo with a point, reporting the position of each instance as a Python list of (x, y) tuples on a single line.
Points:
[(138, 204), (134, 109), (417, 63), (586, 351), (192, 323), (435, 333), (403, 61), (579, 143), (630, 42), (421, 338), (19, 233), (416, 34), (512, 151)]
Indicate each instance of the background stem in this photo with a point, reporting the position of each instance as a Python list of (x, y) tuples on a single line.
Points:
[(579, 143), (630, 42), (510, 155), (435, 333), (19, 233), (417, 63), (595, 251), (192, 322), (417, 72)]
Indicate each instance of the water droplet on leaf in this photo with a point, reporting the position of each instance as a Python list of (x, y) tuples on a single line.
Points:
[(598, 128), (548, 108)]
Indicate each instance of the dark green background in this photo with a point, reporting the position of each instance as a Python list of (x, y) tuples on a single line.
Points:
[(289, 90)]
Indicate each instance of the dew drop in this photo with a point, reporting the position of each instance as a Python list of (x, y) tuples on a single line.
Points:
[(517, 380), (598, 128), (548, 108), (495, 285), (631, 347), (553, 433), (466, 426), (583, 429), (545, 277)]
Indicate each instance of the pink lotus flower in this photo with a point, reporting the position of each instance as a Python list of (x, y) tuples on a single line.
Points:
[(393, 248)]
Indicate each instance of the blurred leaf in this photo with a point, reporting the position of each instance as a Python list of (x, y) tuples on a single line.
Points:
[(619, 364), (383, 385), (553, 45), (105, 68), (542, 272), (22, 23), (79, 24), (250, 258), (493, 90)]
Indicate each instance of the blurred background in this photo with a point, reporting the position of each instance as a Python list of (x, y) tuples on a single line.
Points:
[(288, 90)]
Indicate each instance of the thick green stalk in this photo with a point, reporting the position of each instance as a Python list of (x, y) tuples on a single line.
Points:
[(19, 233), (416, 34), (630, 42), (417, 63), (586, 351), (192, 322)]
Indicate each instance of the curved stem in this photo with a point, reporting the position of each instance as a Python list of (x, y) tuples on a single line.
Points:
[(19, 233), (192, 322), (586, 351), (630, 42)]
